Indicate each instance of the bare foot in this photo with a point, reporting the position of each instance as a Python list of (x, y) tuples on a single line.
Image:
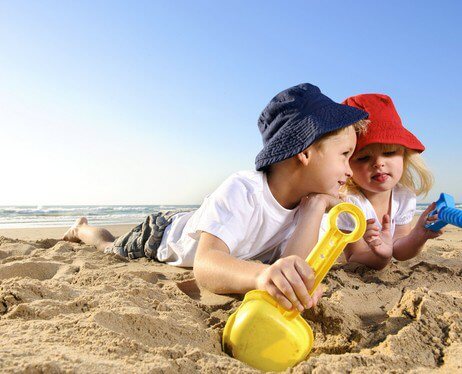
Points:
[(71, 234)]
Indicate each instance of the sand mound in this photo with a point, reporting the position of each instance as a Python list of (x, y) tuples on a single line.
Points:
[(68, 308)]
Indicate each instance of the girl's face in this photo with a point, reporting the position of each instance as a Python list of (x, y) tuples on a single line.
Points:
[(378, 167)]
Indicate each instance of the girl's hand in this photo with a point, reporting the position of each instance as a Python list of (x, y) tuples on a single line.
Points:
[(380, 242), (288, 281), (420, 230)]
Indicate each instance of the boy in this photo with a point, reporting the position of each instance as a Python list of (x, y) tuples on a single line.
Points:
[(272, 215)]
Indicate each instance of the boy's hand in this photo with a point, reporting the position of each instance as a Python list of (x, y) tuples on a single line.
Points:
[(318, 199), (422, 233), (288, 281), (380, 242)]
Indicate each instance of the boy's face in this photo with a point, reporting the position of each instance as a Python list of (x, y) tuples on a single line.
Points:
[(329, 167)]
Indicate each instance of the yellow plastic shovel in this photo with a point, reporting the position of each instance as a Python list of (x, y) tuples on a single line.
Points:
[(261, 332)]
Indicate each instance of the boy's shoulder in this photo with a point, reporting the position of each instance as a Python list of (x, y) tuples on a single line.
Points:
[(249, 180), (241, 190)]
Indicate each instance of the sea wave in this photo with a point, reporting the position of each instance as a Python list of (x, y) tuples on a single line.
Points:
[(47, 216)]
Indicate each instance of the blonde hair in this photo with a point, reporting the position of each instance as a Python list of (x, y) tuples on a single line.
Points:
[(416, 175)]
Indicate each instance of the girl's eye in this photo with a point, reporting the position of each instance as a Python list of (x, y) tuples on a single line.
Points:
[(390, 153), (363, 159)]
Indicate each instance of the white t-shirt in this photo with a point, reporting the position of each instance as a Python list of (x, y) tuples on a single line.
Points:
[(403, 208), (242, 212)]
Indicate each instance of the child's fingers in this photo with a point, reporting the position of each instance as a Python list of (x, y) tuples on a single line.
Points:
[(368, 236), (374, 229), (279, 296), (386, 223), (300, 289), (370, 229), (306, 273), (374, 240), (434, 234), (375, 243), (425, 213), (317, 294), (286, 289), (431, 219)]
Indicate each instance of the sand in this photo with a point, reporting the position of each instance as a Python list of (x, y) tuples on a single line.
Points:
[(37, 233), (66, 307)]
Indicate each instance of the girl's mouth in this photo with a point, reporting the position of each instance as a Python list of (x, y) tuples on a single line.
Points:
[(381, 177)]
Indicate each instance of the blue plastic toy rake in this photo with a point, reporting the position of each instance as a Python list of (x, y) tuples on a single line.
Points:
[(447, 213)]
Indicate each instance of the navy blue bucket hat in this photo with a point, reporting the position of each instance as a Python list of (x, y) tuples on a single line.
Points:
[(297, 117)]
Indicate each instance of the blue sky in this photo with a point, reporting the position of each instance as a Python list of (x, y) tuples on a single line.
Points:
[(156, 102)]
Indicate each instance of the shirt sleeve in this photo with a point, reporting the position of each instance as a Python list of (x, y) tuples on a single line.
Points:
[(407, 207), (227, 213)]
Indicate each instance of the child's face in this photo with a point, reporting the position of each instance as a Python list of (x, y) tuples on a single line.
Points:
[(378, 167), (329, 167)]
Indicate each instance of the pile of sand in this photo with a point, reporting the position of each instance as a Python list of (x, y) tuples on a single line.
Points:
[(66, 307)]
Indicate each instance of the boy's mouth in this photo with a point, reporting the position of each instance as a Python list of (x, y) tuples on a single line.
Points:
[(381, 177), (341, 183)]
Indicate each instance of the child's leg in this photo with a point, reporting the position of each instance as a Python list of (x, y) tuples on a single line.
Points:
[(82, 231)]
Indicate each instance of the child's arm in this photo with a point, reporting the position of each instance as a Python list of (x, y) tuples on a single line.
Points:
[(287, 280), (408, 243), (361, 253), (305, 235), (375, 248)]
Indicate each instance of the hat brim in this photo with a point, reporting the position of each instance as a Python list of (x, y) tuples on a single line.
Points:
[(404, 138), (295, 136)]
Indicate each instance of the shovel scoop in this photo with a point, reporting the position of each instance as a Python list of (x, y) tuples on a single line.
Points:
[(261, 332)]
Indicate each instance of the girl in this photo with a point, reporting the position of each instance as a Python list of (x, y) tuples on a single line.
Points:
[(388, 173)]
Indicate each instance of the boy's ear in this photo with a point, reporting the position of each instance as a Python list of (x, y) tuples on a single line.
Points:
[(304, 156)]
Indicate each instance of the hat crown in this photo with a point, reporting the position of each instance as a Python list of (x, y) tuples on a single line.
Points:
[(294, 103), (380, 107), (385, 125), (295, 118)]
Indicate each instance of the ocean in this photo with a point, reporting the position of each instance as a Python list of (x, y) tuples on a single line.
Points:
[(65, 215)]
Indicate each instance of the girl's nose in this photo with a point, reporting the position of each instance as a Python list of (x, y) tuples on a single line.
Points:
[(379, 162)]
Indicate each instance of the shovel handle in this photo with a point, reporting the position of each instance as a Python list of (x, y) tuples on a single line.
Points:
[(327, 250)]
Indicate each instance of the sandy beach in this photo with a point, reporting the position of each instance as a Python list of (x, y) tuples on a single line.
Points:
[(37, 233), (66, 307)]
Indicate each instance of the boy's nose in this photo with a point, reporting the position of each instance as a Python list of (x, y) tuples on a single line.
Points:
[(349, 172)]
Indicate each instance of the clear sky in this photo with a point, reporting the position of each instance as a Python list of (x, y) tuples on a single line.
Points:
[(156, 102)]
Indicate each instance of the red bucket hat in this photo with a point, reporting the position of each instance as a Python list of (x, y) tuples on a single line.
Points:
[(385, 126)]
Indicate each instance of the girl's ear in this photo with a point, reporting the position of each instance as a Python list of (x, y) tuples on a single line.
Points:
[(304, 156)]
